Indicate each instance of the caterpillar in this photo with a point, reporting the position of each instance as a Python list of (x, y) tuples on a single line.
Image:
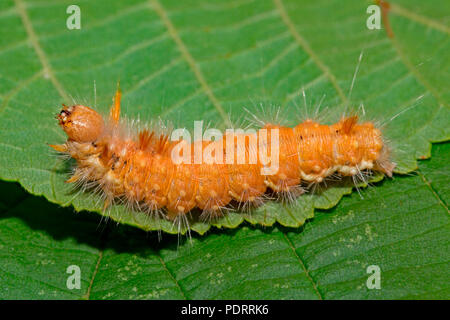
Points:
[(144, 168)]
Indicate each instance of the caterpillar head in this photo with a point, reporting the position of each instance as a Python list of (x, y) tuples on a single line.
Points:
[(80, 123)]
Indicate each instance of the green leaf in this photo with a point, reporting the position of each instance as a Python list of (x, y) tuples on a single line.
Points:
[(203, 59), (402, 226)]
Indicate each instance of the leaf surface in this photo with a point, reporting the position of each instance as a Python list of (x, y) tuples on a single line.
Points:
[(401, 227), (191, 60)]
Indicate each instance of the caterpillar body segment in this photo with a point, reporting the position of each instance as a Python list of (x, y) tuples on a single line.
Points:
[(141, 168)]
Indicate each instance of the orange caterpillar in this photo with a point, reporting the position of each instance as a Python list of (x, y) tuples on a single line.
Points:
[(139, 168)]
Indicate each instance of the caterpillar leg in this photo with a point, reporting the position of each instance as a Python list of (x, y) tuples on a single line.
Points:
[(59, 147), (107, 203), (73, 178), (115, 109)]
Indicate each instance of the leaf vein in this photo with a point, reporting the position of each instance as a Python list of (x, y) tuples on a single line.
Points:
[(190, 60), (20, 7), (305, 45), (302, 264)]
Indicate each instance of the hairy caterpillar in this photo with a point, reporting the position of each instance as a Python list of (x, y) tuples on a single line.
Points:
[(141, 168)]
